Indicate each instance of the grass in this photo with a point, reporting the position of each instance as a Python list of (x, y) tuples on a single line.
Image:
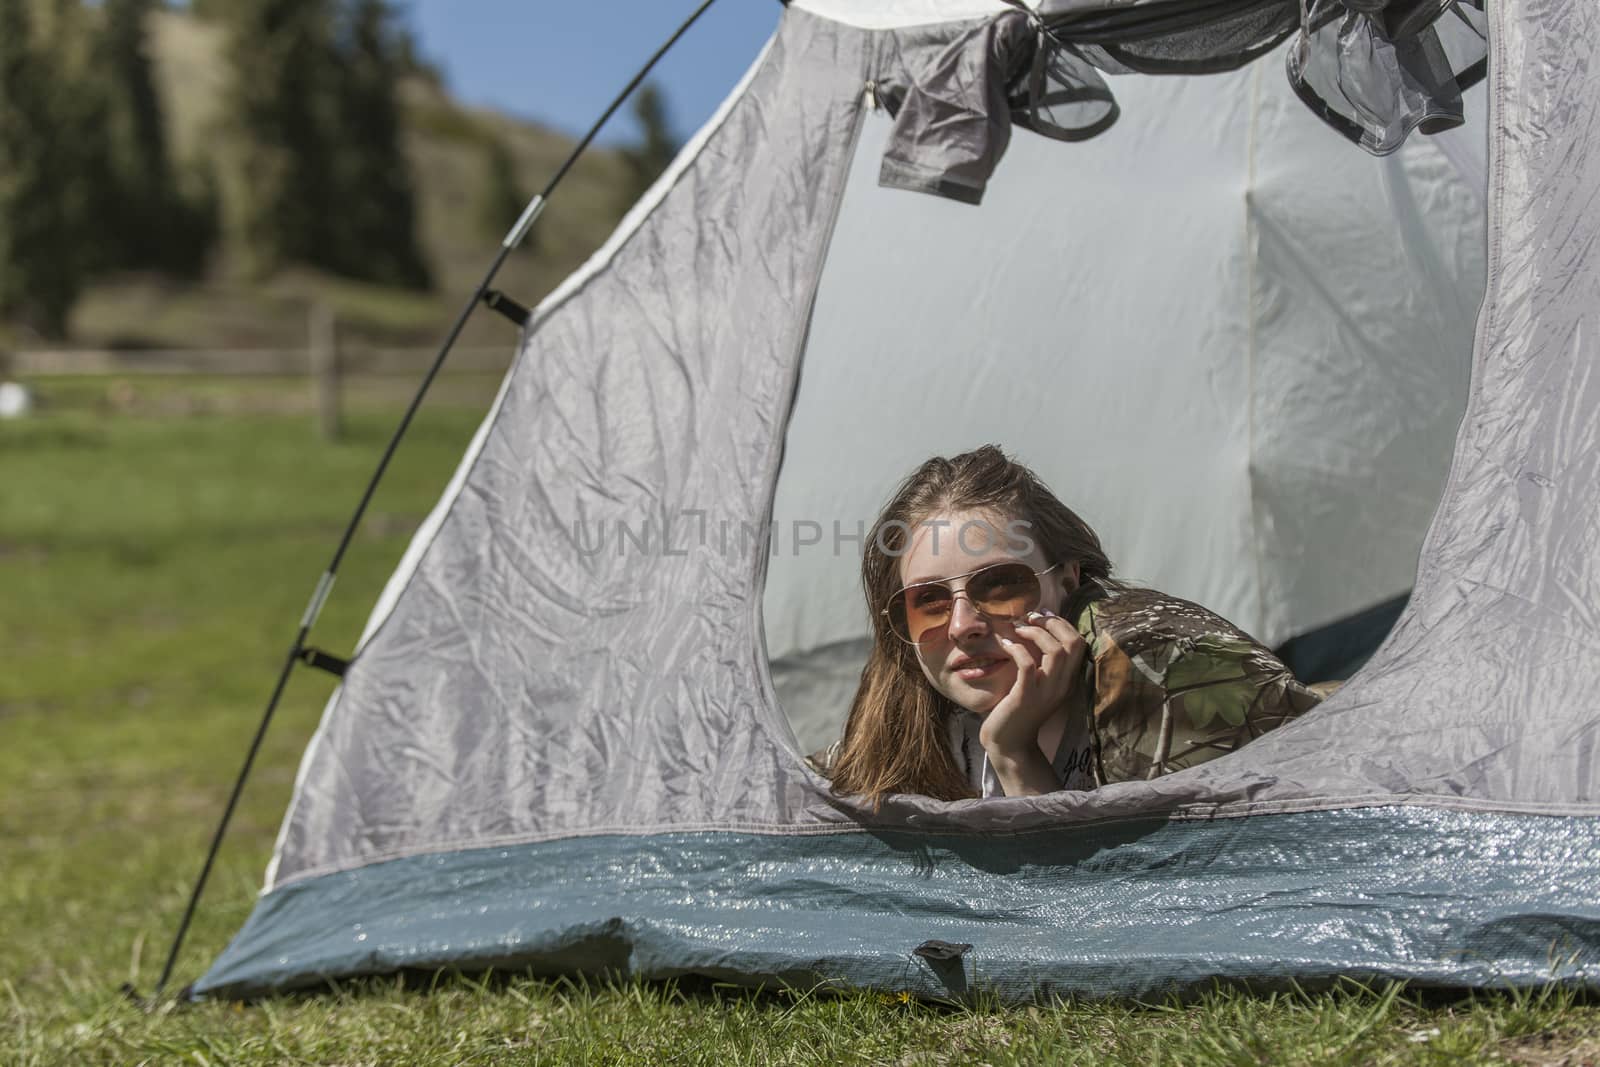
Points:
[(158, 541)]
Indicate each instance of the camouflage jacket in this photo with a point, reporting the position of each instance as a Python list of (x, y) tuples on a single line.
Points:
[(1171, 685)]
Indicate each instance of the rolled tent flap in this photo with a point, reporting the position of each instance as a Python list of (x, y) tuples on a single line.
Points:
[(1374, 70), (1377, 75)]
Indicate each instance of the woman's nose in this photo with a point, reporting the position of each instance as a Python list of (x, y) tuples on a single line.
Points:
[(965, 620)]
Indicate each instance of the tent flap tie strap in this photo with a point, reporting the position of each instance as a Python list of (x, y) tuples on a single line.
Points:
[(324, 661), (495, 300)]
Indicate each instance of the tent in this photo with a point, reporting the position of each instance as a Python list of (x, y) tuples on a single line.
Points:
[(552, 755)]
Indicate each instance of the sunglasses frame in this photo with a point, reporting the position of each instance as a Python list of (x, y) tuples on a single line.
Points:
[(898, 593)]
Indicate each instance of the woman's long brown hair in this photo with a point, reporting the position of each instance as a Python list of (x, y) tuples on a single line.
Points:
[(896, 740)]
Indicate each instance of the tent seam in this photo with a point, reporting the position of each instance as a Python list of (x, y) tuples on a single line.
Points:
[(1251, 311)]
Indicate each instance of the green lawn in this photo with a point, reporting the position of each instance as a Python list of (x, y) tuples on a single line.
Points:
[(158, 543)]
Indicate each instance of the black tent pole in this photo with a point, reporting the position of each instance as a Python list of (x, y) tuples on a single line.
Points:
[(319, 596)]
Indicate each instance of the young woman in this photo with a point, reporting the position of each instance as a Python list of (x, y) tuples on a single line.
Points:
[(1007, 660)]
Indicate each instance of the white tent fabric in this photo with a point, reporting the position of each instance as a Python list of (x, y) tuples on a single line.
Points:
[(1237, 347)]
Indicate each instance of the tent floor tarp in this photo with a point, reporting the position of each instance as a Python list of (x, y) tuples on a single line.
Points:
[(1139, 908)]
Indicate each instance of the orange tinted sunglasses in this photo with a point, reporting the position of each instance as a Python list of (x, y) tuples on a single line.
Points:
[(1001, 591)]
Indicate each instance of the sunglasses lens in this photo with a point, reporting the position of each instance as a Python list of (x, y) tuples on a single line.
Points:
[(921, 608), (1004, 591)]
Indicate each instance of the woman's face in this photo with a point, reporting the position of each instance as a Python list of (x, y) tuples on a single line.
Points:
[(963, 660)]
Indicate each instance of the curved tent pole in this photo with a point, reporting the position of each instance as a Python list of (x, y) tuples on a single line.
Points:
[(298, 650)]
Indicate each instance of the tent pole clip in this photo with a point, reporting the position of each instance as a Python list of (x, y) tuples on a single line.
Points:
[(315, 657), (498, 301)]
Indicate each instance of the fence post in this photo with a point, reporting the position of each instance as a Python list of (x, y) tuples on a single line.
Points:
[(324, 360)]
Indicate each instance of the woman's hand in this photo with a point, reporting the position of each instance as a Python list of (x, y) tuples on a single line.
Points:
[(1048, 658)]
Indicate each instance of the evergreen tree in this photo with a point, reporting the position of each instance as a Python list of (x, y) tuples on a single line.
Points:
[(319, 175), (152, 223), (656, 147), (282, 110), (138, 137), (377, 237), (79, 104), (42, 231)]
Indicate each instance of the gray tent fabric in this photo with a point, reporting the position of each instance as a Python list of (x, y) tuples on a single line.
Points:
[(558, 746)]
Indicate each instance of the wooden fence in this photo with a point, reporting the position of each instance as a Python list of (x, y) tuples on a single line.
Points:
[(252, 362), (324, 362)]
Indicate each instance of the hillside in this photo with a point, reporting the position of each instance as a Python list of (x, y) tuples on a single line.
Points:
[(449, 147)]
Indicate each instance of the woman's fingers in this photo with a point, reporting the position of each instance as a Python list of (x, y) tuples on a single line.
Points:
[(1047, 643), (1035, 625), (1046, 651), (1024, 690), (1071, 640), (1060, 645), (1027, 666), (1013, 723)]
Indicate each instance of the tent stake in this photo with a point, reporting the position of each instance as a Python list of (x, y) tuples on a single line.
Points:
[(513, 238)]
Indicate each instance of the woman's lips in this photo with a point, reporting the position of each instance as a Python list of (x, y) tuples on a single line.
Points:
[(982, 667)]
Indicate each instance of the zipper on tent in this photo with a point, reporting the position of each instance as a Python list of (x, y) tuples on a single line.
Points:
[(869, 96)]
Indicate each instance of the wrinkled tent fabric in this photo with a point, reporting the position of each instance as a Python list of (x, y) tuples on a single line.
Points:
[(570, 762)]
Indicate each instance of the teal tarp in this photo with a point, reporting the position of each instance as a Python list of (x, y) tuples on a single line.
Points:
[(1137, 908)]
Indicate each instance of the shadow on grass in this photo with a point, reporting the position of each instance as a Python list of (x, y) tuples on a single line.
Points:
[(708, 991)]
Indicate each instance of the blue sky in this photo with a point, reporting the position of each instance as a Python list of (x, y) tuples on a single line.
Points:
[(561, 61)]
